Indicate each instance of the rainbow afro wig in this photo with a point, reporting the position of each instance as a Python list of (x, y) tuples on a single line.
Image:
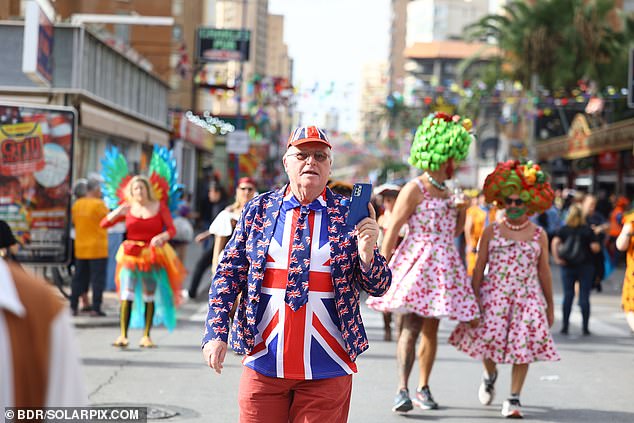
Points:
[(527, 180), (439, 138)]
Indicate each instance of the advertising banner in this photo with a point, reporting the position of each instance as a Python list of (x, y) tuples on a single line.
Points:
[(37, 52), (36, 150)]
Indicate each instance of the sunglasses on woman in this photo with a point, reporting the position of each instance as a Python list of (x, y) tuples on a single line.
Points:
[(515, 201)]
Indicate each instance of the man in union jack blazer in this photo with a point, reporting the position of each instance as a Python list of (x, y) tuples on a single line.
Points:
[(299, 268)]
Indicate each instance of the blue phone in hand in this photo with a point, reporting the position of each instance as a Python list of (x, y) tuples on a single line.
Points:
[(359, 200)]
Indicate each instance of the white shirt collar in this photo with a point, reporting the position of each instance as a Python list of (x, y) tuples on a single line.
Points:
[(9, 299)]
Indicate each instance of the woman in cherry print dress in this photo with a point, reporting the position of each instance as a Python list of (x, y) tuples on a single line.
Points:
[(515, 295)]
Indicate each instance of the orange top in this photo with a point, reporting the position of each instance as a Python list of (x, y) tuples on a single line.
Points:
[(91, 240), (615, 221), (479, 219), (627, 293)]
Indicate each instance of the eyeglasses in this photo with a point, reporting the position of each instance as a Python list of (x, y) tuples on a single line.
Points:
[(246, 188), (302, 156), (516, 201)]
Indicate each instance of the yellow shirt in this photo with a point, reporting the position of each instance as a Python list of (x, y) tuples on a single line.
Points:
[(479, 219), (91, 240)]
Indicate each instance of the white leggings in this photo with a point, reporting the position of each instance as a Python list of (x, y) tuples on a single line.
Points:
[(128, 286)]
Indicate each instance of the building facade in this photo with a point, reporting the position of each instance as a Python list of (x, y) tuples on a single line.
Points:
[(153, 43), (398, 31), (437, 20), (118, 102), (372, 111), (595, 160), (253, 95)]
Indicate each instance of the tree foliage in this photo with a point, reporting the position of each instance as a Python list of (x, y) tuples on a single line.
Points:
[(560, 41)]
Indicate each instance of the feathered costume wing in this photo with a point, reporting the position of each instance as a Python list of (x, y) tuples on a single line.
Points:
[(162, 175), (116, 176)]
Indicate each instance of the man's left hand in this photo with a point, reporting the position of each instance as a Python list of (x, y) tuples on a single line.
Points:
[(368, 233)]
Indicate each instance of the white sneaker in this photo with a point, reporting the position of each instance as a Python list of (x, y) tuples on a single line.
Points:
[(486, 393), (511, 408)]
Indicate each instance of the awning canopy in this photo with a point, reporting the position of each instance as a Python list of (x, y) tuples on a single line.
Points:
[(105, 121)]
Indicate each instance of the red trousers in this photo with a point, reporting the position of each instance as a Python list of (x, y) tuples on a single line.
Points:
[(273, 400)]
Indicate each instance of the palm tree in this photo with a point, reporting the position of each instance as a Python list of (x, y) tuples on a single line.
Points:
[(528, 36), (560, 41), (603, 37)]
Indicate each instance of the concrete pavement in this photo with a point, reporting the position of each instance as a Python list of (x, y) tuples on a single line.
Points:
[(592, 382)]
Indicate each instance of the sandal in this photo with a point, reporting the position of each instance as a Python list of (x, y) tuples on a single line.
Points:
[(121, 341), (146, 342)]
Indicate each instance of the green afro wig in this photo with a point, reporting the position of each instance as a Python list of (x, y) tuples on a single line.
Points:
[(439, 138)]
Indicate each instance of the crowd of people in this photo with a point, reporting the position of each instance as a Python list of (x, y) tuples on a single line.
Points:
[(287, 269), (499, 288)]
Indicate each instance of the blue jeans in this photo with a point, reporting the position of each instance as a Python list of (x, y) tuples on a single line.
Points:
[(583, 273)]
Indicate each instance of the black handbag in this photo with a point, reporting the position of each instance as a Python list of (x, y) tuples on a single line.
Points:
[(572, 249)]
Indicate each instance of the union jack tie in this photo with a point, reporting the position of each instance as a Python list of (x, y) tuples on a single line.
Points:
[(299, 263)]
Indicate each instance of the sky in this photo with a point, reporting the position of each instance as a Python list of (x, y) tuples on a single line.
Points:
[(329, 41)]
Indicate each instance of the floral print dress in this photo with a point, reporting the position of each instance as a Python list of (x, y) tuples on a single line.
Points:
[(428, 277), (514, 327)]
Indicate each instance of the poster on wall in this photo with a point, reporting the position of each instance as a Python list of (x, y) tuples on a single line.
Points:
[(36, 150)]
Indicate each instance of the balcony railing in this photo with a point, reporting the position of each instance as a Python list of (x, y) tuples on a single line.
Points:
[(83, 64)]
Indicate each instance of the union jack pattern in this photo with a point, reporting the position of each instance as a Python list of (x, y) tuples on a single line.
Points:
[(243, 266), (306, 343), (308, 132)]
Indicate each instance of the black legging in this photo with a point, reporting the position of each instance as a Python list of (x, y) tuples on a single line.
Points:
[(201, 265)]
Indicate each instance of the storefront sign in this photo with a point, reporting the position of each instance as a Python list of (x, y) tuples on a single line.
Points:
[(608, 160), (35, 180), (186, 130), (220, 45), (238, 142), (37, 53), (198, 136), (21, 146)]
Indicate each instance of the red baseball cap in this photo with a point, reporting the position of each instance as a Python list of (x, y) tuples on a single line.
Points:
[(304, 134), (247, 180)]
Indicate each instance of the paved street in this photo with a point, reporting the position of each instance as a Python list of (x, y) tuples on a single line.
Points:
[(592, 383)]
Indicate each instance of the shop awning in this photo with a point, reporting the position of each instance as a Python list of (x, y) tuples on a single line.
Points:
[(107, 122)]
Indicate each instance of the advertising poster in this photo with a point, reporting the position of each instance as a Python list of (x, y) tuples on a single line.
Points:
[(36, 150)]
